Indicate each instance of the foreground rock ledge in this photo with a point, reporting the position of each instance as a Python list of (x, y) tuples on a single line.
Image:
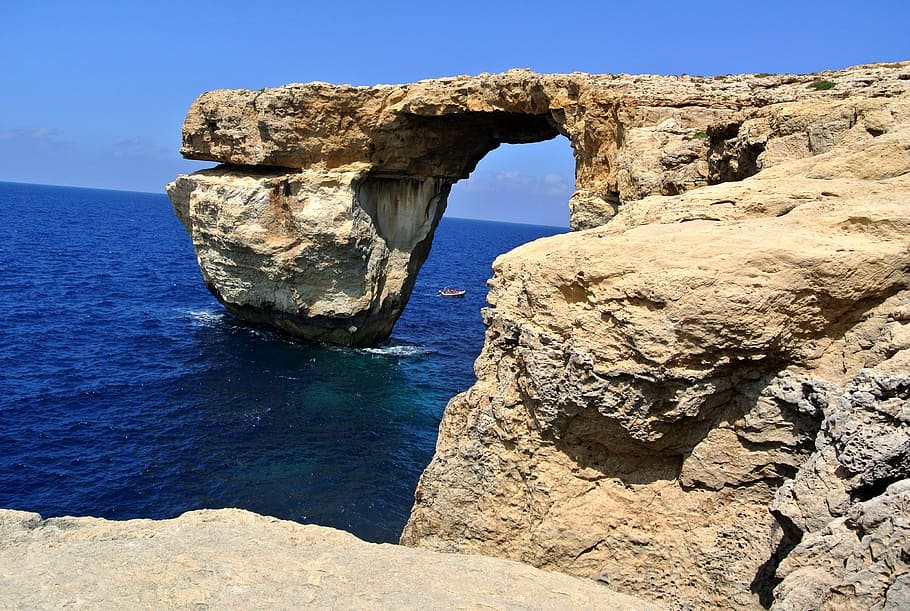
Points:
[(236, 559)]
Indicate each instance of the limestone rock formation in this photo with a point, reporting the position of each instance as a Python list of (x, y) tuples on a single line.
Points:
[(699, 396), (235, 559), (326, 203), (651, 389), (849, 505), (319, 255), (858, 561)]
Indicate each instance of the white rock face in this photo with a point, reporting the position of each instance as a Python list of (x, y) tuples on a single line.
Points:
[(326, 256)]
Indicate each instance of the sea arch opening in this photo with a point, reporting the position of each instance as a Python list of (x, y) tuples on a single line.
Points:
[(519, 183), (482, 166), (349, 219), (516, 194)]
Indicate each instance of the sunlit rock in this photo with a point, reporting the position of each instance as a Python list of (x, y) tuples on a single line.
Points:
[(328, 256), (659, 394), (234, 559)]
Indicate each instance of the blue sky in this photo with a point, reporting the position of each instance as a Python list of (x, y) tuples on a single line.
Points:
[(94, 93)]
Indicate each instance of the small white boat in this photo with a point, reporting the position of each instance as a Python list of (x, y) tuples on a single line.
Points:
[(449, 292)]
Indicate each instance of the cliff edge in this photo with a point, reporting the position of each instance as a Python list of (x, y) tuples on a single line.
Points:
[(706, 400), (700, 396)]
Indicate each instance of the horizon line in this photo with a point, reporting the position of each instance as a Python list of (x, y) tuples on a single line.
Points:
[(162, 192)]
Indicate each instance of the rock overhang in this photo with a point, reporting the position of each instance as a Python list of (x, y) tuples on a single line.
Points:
[(632, 137)]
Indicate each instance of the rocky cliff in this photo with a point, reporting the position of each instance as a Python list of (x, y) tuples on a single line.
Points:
[(327, 198), (699, 396), (707, 396)]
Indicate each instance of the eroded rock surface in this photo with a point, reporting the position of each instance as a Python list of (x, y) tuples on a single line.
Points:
[(651, 389), (319, 255), (848, 508), (688, 397), (239, 560), (356, 178)]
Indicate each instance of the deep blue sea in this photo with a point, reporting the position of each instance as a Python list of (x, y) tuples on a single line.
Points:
[(127, 391)]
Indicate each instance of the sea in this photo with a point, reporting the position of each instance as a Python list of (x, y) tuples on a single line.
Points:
[(127, 391)]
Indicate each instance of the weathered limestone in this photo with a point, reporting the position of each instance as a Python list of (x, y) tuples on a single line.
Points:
[(648, 386), (236, 559), (847, 509), (320, 255), (699, 396), (304, 162)]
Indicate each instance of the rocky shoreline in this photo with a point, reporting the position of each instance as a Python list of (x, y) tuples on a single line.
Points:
[(700, 397)]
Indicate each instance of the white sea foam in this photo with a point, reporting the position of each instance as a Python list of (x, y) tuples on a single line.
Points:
[(205, 318), (399, 351)]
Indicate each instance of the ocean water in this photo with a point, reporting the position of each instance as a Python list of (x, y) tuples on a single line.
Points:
[(126, 391)]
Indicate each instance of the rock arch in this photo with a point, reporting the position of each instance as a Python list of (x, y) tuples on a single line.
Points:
[(327, 197), (646, 387)]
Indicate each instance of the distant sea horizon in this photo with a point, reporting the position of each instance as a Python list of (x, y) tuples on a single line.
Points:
[(162, 192), (128, 391)]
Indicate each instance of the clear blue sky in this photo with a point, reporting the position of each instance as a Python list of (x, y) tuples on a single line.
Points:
[(94, 93)]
